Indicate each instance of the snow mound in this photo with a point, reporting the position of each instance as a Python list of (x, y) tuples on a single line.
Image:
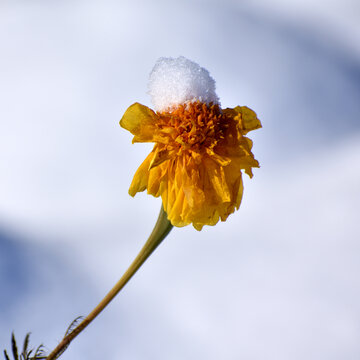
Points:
[(175, 81)]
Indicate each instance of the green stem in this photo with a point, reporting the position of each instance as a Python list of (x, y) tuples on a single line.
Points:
[(160, 231)]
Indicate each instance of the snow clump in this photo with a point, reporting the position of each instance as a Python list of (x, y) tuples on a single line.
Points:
[(175, 81)]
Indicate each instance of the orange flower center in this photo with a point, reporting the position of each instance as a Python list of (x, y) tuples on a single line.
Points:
[(193, 125)]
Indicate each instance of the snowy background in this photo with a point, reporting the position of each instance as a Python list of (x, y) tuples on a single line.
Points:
[(279, 280)]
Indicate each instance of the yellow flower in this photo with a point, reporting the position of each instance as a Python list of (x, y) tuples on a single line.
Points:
[(196, 163)]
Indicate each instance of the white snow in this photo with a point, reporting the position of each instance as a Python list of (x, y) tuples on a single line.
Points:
[(175, 81)]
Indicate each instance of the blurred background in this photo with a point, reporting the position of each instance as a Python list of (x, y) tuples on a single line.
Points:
[(279, 279)]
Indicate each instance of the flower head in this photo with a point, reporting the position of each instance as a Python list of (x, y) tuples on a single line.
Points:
[(200, 149)]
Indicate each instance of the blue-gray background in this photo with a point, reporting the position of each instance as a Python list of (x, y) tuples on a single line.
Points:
[(280, 279)]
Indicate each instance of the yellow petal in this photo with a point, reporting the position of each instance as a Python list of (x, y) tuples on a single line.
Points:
[(157, 179), (192, 187), (159, 157), (245, 116), (234, 179), (217, 178), (140, 121), (249, 119), (221, 160), (140, 179)]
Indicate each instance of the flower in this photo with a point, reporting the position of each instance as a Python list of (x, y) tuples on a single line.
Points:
[(199, 153)]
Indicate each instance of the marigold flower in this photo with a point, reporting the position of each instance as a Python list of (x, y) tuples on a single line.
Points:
[(200, 149)]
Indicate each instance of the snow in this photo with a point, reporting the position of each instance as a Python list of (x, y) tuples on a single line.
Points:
[(175, 81)]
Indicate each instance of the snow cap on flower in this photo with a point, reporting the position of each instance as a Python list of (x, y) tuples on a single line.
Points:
[(175, 81)]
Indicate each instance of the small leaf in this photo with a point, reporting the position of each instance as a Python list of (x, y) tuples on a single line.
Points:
[(73, 325), (25, 346), (27, 355), (39, 353), (6, 355), (14, 347)]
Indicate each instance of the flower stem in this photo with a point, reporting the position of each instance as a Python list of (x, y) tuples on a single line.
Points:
[(160, 231)]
